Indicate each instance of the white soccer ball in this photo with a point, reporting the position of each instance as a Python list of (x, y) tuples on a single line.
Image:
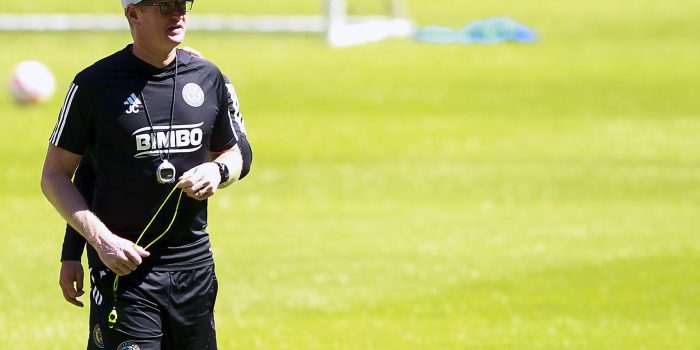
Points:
[(32, 82)]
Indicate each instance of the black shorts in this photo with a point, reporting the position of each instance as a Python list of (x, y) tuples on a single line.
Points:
[(156, 310)]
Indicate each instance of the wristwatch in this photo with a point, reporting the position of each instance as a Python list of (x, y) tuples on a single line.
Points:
[(223, 171)]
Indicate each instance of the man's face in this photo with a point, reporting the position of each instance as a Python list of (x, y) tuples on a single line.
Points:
[(161, 30)]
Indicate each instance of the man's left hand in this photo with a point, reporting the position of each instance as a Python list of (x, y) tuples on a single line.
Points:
[(71, 281), (201, 181)]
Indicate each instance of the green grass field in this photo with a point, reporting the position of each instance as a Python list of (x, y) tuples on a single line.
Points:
[(417, 196)]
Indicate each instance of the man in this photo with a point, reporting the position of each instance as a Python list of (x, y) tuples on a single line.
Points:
[(71, 276), (72, 273), (147, 116)]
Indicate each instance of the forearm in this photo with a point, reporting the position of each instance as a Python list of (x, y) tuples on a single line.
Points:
[(234, 162), (66, 199), (84, 181)]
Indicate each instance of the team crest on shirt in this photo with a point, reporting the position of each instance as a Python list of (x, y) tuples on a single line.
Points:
[(128, 345), (97, 336), (193, 94)]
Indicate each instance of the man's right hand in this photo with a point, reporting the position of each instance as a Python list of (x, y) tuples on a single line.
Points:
[(120, 255)]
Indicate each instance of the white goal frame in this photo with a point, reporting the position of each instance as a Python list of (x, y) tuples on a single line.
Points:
[(340, 28), (343, 29)]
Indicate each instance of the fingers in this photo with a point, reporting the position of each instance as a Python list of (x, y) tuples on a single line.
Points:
[(122, 264), (121, 255), (200, 182), (72, 298), (127, 261), (120, 269), (130, 257), (79, 281), (192, 51), (71, 281), (133, 257), (201, 194), (70, 293), (186, 177), (193, 180), (142, 252), (68, 289)]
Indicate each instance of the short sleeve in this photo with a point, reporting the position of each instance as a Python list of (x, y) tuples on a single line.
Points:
[(71, 130), (224, 134)]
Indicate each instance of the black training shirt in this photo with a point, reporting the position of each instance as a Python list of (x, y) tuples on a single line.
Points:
[(105, 112)]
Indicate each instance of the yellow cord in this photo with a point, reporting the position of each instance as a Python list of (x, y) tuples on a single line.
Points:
[(156, 214), (112, 319)]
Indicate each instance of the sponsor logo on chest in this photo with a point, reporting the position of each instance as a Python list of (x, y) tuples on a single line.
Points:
[(178, 139)]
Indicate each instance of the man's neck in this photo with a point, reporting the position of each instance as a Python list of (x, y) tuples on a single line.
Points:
[(153, 56)]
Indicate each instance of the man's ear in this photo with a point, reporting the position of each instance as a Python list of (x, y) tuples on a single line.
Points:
[(132, 14)]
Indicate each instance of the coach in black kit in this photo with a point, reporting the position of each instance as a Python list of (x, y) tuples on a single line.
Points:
[(153, 120)]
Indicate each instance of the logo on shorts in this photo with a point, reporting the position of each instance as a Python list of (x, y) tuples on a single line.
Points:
[(97, 336), (128, 345), (193, 94)]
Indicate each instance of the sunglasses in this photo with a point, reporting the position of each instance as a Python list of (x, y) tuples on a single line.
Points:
[(167, 8)]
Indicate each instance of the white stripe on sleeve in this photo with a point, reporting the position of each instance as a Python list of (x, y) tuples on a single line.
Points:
[(230, 120), (237, 118), (64, 114)]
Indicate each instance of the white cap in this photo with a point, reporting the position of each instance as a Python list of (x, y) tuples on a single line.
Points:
[(127, 2)]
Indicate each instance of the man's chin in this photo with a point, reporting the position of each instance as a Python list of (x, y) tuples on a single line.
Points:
[(175, 41)]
